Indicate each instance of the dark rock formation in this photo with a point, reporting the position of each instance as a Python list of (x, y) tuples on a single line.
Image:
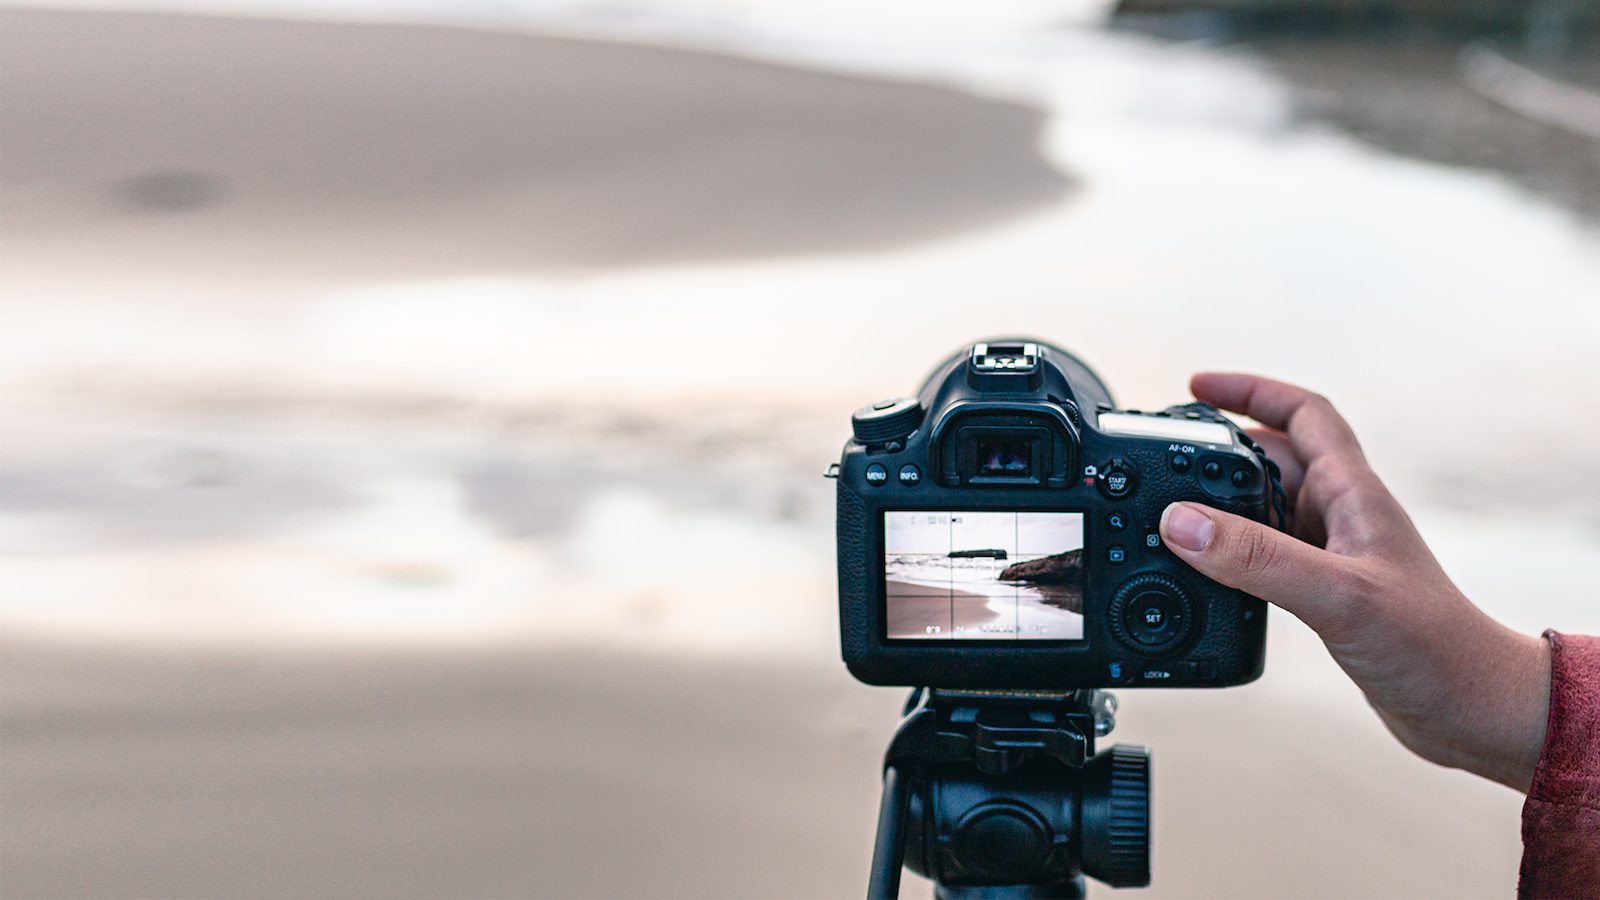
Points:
[(1062, 568), (977, 554), (1325, 15)]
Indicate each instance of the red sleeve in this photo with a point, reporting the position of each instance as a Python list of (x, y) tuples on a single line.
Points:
[(1561, 819)]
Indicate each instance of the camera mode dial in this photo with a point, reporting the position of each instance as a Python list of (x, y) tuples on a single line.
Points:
[(886, 420), (1151, 614)]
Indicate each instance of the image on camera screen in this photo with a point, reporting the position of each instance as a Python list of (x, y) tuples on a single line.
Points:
[(983, 575)]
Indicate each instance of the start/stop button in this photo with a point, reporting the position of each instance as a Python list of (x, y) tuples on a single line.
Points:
[(1116, 480)]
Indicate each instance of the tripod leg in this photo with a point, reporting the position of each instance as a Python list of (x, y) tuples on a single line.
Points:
[(889, 851)]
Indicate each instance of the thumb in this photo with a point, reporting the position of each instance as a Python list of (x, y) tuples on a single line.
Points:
[(1259, 560)]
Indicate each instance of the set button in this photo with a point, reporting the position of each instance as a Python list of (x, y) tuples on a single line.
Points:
[(1151, 615)]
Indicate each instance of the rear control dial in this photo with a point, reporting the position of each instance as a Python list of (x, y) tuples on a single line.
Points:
[(1151, 614)]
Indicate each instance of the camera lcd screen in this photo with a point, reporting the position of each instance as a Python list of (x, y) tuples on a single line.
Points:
[(983, 575)]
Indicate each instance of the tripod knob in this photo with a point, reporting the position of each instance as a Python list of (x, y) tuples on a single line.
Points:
[(1001, 841), (1116, 816)]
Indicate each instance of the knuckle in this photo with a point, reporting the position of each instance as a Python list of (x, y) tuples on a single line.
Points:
[(1354, 603), (1358, 587), (1255, 550)]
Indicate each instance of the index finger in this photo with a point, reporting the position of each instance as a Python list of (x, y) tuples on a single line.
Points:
[(1314, 427)]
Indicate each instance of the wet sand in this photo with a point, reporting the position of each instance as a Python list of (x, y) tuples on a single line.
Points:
[(909, 609), (912, 604), (362, 151), (527, 772)]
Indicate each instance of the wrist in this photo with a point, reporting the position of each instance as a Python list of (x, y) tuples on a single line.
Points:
[(1513, 734)]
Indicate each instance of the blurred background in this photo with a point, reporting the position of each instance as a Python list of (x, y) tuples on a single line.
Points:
[(413, 410)]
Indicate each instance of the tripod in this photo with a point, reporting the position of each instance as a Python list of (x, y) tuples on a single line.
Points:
[(999, 794)]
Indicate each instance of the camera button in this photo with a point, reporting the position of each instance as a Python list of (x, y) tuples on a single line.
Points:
[(1152, 542), (1180, 463), (910, 475), (1116, 522), (1153, 617), (1241, 477), (1212, 470), (877, 475), (1116, 555), (1115, 480)]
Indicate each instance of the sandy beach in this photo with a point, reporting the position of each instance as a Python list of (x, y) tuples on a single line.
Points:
[(413, 435), (408, 151), (305, 773), (968, 613)]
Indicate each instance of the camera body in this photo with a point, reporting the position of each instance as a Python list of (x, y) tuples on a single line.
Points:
[(999, 530)]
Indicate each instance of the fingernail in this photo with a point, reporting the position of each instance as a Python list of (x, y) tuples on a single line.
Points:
[(1187, 526)]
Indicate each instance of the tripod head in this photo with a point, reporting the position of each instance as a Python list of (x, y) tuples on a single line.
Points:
[(1000, 794)]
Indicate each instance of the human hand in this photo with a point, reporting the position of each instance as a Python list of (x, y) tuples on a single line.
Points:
[(1452, 684)]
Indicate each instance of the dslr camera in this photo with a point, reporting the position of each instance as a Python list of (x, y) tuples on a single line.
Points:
[(999, 531)]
